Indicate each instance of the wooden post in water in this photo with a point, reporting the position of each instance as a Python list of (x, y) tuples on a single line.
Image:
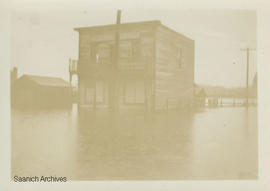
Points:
[(247, 74), (247, 77), (117, 42), (221, 101)]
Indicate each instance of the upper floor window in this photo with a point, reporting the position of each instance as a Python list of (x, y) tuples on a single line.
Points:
[(104, 54), (180, 57), (101, 53), (93, 53), (136, 50), (125, 50), (129, 52)]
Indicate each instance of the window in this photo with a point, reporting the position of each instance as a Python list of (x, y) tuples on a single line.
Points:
[(93, 53), (100, 92), (129, 93), (101, 53), (180, 57), (91, 93), (136, 50), (134, 92), (139, 92), (147, 47), (129, 51), (125, 50)]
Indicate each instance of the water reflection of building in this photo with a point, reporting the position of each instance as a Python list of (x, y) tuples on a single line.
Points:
[(40, 91), (154, 68), (132, 147)]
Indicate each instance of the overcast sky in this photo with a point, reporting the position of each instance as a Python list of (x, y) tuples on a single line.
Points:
[(43, 39)]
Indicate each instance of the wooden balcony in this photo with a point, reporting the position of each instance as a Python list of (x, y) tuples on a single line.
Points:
[(73, 66), (130, 70)]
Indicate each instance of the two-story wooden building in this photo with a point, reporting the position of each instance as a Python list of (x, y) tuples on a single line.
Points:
[(141, 64)]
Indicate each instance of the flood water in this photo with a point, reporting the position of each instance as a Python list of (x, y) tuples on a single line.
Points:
[(213, 143)]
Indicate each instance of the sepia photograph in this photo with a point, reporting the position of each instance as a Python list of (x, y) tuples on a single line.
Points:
[(120, 94)]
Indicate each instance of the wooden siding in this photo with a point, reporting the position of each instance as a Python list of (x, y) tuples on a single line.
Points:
[(26, 93), (131, 92), (164, 61), (174, 69), (89, 38), (134, 65)]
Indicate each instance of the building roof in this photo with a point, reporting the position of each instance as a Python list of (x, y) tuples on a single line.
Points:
[(123, 25), (46, 81), (153, 22)]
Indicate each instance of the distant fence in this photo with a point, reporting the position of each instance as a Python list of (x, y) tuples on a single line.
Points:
[(221, 101)]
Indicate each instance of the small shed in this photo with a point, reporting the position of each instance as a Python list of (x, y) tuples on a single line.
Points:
[(40, 91), (200, 96)]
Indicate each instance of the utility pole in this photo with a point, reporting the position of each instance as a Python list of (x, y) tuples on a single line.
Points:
[(117, 36), (117, 39), (114, 69), (247, 74)]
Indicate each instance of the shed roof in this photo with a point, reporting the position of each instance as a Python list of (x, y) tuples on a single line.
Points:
[(47, 81), (200, 92)]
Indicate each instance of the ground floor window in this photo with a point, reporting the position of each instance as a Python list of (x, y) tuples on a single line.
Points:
[(89, 94), (100, 95), (134, 92), (92, 92)]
